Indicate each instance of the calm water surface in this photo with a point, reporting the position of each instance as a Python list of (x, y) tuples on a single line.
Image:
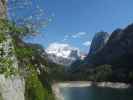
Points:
[(96, 93)]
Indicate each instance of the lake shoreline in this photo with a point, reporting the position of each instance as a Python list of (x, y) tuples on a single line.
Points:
[(59, 96), (91, 83)]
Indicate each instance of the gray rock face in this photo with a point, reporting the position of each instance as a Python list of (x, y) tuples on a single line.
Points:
[(98, 42), (118, 49), (3, 8), (12, 87)]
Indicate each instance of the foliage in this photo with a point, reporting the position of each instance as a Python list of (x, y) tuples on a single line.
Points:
[(3, 29), (92, 73), (130, 76), (34, 87), (9, 27), (23, 52), (19, 26), (31, 60), (35, 90), (56, 72), (1, 97), (4, 26), (6, 64), (103, 73), (27, 13), (6, 68), (2, 37)]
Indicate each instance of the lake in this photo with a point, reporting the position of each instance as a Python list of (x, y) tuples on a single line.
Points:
[(96, 93)]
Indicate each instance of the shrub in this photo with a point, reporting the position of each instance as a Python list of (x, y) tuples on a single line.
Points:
[(2, 37), (34, 87), (6, 68)]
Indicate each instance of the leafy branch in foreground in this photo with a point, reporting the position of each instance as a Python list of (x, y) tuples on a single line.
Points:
[(29, 14)]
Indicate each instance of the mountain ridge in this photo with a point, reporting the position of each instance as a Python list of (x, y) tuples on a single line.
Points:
[(62, 53), (113, 62)]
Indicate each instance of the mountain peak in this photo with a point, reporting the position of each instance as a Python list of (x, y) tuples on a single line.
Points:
[(57, 51), (99, 40), (62, 50)]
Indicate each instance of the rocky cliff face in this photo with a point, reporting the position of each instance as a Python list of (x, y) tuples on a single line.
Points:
[(3, 8), (118, 50), (114, 59), (98, 42), (23, 72), (12, 86)]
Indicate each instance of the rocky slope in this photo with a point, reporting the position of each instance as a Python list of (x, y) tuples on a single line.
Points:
[(23, 72), (98, 42), (23, 67), (13, 86), (118, 49)]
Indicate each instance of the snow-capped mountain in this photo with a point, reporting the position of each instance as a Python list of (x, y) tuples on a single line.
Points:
[(62, 54)]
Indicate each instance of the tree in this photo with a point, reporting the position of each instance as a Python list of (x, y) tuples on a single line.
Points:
[(130, 76), (103, 73), (28, 14)]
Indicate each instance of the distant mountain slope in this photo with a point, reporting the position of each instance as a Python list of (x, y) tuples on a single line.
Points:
[(62, 54)]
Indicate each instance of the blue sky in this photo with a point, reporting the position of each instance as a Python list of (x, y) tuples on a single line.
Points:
[(76, 21)]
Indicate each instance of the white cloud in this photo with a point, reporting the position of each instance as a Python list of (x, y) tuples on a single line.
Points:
[(79, 34), (65, 37), (87, 43)]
